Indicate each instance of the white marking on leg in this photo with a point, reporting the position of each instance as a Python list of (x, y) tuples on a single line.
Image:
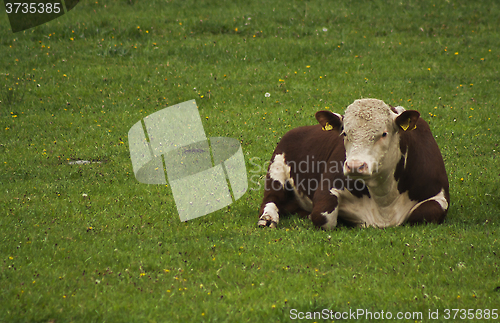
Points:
[(331, 219), (440, 198), (270, 213), (279, 170)]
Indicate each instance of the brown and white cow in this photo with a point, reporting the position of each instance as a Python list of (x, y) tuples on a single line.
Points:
[(375, 166)]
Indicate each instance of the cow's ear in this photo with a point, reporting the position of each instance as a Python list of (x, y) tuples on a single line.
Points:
[(407, 120), (329, 120)]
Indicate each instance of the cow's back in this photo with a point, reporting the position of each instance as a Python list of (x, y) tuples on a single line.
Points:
[(313, 155)]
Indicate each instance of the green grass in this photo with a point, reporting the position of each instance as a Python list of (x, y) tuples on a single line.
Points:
[(72, 88)]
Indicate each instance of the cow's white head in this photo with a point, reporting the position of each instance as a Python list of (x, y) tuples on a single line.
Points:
[(371, 140)]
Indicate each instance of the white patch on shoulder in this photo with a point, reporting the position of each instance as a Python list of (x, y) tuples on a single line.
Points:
[(270, 213), (279, 170), (440, 198)]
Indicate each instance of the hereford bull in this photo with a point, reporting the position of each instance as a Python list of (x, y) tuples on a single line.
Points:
[(375, 166)]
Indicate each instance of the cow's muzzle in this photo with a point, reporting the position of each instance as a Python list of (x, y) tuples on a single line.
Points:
[(356, 167)]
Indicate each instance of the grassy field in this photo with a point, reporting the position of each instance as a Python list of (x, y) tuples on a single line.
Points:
[(88, 243)]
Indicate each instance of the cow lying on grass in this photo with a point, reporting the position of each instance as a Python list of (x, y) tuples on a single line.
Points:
[(375, 166)]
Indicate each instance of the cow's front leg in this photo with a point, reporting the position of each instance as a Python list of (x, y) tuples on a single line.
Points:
[(277, 194), (277, 198), (431, 210), (325, 209)]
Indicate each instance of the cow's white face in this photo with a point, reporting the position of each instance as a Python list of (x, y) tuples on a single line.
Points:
[(371, 139)]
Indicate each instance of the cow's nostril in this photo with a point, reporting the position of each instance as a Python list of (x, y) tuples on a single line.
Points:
[(356, 167)]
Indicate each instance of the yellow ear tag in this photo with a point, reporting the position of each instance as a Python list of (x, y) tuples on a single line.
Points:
[(406, 125), (327, 127)]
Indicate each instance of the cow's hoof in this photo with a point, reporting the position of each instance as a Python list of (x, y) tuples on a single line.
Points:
[(267, 223)]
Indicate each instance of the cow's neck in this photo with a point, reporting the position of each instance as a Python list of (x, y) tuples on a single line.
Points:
[(383, 188)]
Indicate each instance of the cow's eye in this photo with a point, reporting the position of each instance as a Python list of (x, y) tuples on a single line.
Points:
[(384, 134)]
